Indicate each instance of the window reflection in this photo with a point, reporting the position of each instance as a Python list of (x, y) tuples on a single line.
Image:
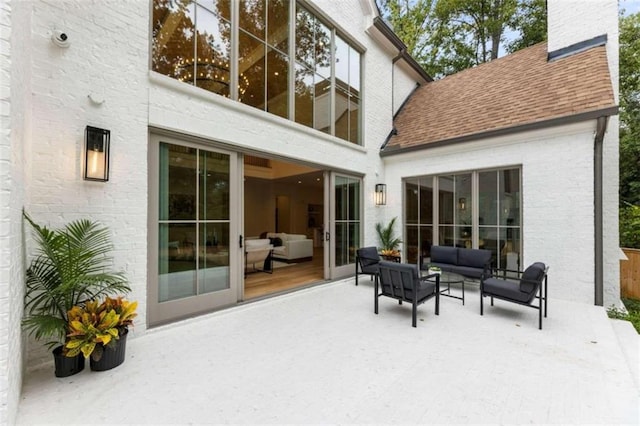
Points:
[(193, 227), (278, 83), (252, 17), (496, 226), (304, 95), (251, 68), (192, 43), (322, 104), (278, 24)]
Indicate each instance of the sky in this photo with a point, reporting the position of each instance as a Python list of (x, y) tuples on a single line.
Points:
[(630, 6)]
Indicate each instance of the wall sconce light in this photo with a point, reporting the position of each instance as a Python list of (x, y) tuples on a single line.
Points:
[(462, 204), (381, 194), (96, 158)]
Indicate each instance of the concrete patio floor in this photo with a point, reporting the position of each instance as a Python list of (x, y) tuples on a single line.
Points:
[(320, 355)]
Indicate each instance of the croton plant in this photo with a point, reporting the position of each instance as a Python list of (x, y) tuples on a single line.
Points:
[(96, 325)]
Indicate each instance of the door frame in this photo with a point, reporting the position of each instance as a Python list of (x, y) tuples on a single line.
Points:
[(331, 270), (167, 311)]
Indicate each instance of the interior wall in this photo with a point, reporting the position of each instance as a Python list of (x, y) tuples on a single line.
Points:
[(259, 207), (260, 204)]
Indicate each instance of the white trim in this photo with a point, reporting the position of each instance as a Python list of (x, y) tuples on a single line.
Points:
[(189, 90)]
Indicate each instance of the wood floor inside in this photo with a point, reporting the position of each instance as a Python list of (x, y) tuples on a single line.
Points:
[(259, 284)]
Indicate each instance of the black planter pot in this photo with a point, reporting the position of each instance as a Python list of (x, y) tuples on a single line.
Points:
[(112, 355), (67, 366)]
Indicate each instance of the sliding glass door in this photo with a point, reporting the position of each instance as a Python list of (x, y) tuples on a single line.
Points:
[(346, 223), (193, 238)]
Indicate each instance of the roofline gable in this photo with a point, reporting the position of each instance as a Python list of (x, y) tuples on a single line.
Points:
[(536, 125)]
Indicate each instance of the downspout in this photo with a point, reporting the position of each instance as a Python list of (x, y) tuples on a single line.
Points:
[(601, 128)]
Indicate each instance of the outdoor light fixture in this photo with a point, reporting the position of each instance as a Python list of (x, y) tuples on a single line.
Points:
[(381, 194), (462, 203), (96, 158)]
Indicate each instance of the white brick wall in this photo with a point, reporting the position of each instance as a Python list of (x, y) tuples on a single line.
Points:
[(404, 85), (108, 55), (557, 192), (14, 130), (570, 22)]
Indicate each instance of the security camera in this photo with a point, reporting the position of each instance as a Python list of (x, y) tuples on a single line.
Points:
[(60, 38)]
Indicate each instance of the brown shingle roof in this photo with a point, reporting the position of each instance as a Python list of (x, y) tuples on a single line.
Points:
[(515, 90)]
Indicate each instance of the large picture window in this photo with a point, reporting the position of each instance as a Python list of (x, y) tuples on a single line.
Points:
[(479, 209), (193, 41)]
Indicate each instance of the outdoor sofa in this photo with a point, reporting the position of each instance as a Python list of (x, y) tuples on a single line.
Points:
[(471, 263)]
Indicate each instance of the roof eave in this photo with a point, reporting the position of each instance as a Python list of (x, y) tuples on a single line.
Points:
[(537, 125)]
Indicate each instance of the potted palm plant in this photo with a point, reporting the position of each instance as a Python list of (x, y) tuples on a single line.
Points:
[(70, 267), (389, 243)]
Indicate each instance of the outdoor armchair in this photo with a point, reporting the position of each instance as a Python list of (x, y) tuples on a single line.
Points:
[(523, 291), (402, 281), (367, 259)]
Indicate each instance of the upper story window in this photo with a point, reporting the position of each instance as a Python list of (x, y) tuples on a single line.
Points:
[(313, 79)]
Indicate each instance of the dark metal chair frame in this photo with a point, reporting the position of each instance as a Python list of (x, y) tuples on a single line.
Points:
[(365, 264), (541, 291), (405, 278)]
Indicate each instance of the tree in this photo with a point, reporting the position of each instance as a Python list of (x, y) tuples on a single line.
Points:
[(413, 21), (530, 20), (630, 131), (447, 36)]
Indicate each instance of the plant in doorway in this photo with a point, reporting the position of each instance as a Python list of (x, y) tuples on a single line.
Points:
[(70, 267), (389, 243)]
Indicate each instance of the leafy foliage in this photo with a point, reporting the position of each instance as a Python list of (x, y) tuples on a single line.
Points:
[(530, 20), (630, 131), (388, 241), (447, 36), (69, 268), (94, 326), (630, 110), (632, 314), (89, 326), (630, 226)]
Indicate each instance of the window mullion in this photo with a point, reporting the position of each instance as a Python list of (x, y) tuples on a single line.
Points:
[(475, 210), (292, 60), (436, 210), (332, 92), (234, 53)]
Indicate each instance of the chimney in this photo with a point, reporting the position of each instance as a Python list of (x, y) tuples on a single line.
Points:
[(576, 25)]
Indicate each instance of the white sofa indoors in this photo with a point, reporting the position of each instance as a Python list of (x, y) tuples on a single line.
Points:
[(294, 247)]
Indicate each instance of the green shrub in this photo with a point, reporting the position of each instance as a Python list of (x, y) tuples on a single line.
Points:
[(632, 315), (630, 226)]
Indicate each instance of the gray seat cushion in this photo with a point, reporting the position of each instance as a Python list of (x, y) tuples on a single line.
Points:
[(444, 254), (474, 258), (467, 271), (509, 289), (369, 259), (425, 288), (403, 277), (532, 278)]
